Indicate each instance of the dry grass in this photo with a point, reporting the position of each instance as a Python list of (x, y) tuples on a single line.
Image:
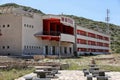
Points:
[(14, 73), (75, 64), (84, 61)]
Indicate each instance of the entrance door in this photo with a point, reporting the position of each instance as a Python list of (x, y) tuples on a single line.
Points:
[(65, 50), (53, 50), (70, 50), (46, 50)]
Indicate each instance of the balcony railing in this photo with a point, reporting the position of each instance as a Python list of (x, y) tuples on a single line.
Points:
[(67, 38), (53, 33)]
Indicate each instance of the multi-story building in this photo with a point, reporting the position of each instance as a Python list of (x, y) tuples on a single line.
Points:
[(27, 33), (57, 35), (91, 42)]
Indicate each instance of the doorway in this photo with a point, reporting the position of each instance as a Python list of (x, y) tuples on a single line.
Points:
[(53, 50), (46, 50)]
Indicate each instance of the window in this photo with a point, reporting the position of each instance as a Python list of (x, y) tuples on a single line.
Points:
[(62, 19), (8, 54), (8, 47), (77, 31), (32, 47), (25, 47), (3, 47), (65, 19), (3, 26), (82, 41), (29, 47), (29, 26), (65, 50), (70, 50), (106, 45), (32, 26), (8, 25), (91, 35), (99, 37), (106, 38), (78, 41), (81, 32), (82, 49), (25, 25), (99, 44), (91, 43)]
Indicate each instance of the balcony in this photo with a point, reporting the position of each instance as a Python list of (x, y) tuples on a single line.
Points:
[(67, 38), (53, 35)]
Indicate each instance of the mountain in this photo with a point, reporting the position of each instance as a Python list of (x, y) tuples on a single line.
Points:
[(114, 30), (25, 8)]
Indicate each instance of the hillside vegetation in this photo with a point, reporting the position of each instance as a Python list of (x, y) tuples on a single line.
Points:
[(88, 23), (25, 8)]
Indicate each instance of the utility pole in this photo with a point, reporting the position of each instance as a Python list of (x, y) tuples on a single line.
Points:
[(59, 47), (107, 20), (75, 52), (107, 23)]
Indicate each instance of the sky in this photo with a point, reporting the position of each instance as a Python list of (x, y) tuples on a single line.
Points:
[(91, 9)]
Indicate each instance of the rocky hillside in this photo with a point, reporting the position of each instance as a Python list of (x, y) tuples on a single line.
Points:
[(88, 23), (25, 8)]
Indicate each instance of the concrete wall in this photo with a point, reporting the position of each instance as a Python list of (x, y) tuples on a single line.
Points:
[(31, 25), (10, 41)]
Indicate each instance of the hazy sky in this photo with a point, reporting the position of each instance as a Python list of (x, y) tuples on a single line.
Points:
[(92, 9)]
